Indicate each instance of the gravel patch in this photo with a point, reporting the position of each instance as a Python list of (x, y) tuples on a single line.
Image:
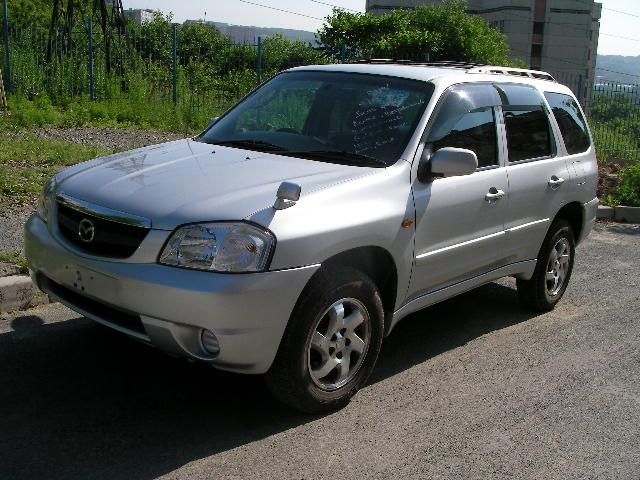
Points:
[(12, 220), (107, 138), (7, 269)]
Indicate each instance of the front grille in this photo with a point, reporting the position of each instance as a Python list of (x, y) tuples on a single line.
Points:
[(110, 239), (100, 310)]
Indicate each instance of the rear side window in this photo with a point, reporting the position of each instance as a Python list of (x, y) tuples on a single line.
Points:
[(467, 120), (571, 122), (526, 122)]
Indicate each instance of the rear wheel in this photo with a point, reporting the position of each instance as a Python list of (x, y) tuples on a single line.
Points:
[(553, 270), (331, 343)]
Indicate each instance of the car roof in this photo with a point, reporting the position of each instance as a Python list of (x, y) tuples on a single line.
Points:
[(446, 73)]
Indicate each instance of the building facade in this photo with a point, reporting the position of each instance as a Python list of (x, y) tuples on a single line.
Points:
[(557, 36), (139, 15)]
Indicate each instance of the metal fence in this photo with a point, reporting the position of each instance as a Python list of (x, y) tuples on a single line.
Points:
[(188, 69), (613, 109)]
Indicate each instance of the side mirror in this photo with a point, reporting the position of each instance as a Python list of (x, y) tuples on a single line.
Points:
[(447, 162), (212, 121), (287, 196)]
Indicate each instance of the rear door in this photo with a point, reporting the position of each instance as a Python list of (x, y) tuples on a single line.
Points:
[(577, 142), (538, 174)]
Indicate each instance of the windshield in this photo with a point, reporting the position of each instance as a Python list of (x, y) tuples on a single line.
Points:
[(348, 118)]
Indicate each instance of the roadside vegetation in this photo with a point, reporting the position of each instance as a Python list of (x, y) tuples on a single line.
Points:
[(627, 192), (615, 121), (127, 112), (12, 262), (27, 162)]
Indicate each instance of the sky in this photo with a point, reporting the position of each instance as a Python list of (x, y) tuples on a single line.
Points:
[(241, 13)]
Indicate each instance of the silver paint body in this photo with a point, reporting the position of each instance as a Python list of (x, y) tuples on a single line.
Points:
[(458, 241)]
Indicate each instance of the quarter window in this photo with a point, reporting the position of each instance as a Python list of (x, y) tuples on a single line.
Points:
[(528, 130), (467, 120), (571, 122)]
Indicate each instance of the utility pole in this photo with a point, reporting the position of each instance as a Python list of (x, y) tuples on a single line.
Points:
[(7, 58)]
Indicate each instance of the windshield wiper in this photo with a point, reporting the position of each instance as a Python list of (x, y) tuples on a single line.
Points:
[(339, 155), (251, 145)]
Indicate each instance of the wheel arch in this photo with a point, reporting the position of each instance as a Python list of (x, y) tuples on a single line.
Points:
[(378, 264), (572, 213)]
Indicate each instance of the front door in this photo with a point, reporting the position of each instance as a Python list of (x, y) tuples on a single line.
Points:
[(460, 220)]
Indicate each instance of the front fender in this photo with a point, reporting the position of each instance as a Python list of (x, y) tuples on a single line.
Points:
[(366, 211)]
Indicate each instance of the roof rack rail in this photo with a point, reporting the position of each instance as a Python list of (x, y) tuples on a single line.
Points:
[(518, 72), (454, 64), (468, 66), (442, 63)]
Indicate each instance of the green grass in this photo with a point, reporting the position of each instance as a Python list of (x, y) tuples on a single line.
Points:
[(27, 162), (14, 257), (124, 111)]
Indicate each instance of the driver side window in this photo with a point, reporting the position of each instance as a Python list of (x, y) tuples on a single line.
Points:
[(467, 120)]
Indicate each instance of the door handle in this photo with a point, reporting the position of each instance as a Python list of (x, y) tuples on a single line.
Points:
[(494, 194), (555, 182)]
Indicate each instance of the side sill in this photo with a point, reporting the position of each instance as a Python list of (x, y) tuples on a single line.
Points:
[(524, 268)]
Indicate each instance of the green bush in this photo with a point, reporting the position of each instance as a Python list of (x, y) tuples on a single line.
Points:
[(628, 190)]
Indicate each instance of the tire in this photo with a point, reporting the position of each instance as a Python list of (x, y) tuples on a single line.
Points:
[(543, 292), (297, 374)]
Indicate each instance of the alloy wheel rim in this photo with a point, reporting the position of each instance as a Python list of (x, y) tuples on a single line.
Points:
[(338, 344), (558, 267)]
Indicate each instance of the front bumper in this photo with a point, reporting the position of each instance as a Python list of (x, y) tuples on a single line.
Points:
[(168, 307)]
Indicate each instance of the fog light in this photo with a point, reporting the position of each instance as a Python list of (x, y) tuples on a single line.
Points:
[(209, 342)]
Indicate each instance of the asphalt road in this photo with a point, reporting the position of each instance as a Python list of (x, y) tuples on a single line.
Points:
[(472, 388)]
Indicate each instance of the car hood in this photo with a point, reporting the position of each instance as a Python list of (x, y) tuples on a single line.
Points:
[(188, 181)]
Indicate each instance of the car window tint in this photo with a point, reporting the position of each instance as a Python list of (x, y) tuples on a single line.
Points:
[(526, 123), (467, 120), (571, 122)]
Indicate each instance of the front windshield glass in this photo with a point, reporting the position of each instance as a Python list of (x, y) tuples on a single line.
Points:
[(348, 118)]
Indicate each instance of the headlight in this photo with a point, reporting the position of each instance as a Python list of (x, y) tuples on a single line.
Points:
[(46, 200), (219, 247)]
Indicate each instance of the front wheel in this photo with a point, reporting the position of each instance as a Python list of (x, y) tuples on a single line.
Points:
[(553, 269), (331, 343)]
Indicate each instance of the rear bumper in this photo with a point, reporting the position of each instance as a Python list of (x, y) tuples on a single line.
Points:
[(168, 307), (589, 214)]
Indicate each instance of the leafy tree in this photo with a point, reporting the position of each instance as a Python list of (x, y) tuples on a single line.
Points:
[(34, 13), (281, 53), (443, 32)]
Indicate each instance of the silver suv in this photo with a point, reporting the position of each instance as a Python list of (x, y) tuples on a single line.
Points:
[(291, 236)]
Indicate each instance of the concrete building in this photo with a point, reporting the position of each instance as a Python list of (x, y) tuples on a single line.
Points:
[(557, 36), (139, 15)]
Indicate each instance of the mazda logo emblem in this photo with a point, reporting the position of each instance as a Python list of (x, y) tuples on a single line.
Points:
[(86, 230)]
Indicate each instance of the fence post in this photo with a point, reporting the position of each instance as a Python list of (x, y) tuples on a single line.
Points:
[(174, 59), (92, 85), (259, 61), (7, 58)]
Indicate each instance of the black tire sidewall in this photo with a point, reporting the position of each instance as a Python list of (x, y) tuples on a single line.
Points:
[(328, 287), (560, 229)]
